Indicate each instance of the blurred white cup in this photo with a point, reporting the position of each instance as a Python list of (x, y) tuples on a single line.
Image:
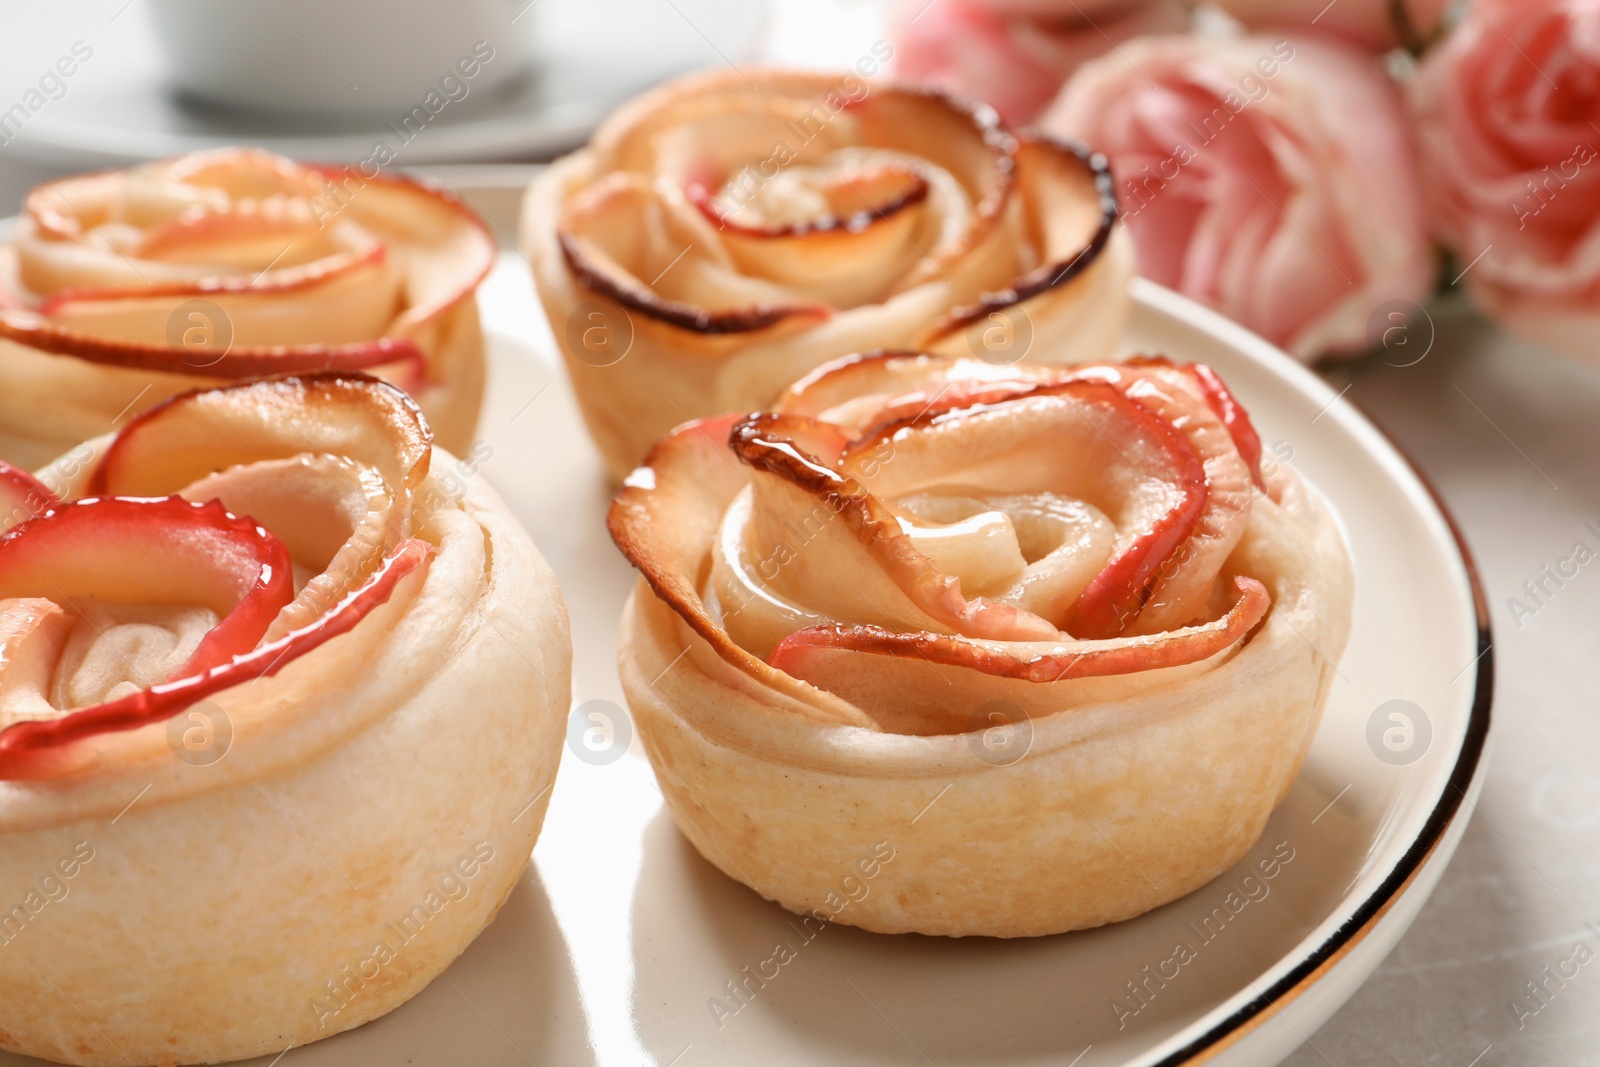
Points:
[(340, 57)]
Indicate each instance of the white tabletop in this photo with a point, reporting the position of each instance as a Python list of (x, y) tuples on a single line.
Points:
[(1507, 434)]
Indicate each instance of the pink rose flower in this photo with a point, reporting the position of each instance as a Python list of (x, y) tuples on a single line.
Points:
[(1272, 180), (1506, 112), (1376, 24), (1014, 54)]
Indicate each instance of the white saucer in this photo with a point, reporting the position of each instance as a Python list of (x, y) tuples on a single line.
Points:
[(590, 55), (610, 949), (651, 931)]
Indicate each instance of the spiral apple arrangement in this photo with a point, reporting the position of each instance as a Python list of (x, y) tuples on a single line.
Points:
[(263, 627), (125, 545), (121, 288), (910, 551), (724, 235)]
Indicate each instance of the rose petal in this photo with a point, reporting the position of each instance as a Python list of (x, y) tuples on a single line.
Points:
[(32, 749), (191, 435), (164, 551), (844, 659)]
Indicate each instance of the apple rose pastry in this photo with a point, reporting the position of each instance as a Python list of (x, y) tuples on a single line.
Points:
[(282, 695), (723, 235), (1022, 650), (120, 289)]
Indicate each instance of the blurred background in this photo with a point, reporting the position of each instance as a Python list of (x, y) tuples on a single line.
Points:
[(155, 81), (1503, 425)]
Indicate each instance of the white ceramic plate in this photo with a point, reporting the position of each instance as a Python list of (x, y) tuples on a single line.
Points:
[(619, 936), (589, 56)]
